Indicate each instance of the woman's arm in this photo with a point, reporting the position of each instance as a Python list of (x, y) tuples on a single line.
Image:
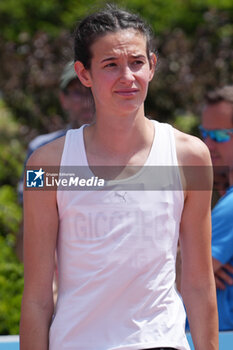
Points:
[(40, 235), (197, 281)]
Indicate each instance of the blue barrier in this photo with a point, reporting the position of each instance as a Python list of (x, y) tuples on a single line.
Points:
[(10, 342), (225, 341)]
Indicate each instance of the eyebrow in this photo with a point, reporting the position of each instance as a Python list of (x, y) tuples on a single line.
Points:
[(108, 59), (138, 56), (115, 58)]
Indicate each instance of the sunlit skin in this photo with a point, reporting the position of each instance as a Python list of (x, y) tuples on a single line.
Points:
[(120, 72), (119, 76), (219, 116)]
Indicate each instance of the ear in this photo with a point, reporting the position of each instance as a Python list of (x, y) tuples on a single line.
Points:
[(83, 74), (153, 61)]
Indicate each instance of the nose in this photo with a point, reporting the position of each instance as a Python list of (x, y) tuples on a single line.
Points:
[(127, 76)]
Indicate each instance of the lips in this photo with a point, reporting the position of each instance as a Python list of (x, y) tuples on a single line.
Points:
[(126, 92)]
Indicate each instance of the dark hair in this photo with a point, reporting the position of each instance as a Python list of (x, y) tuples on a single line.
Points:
[(110, 19)]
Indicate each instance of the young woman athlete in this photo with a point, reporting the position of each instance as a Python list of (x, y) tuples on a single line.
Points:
[(116, 249)]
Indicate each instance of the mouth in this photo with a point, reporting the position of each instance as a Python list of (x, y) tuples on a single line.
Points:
[(127, 92)]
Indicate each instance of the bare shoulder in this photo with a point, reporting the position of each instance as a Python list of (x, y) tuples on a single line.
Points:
[(191, 150), (48, 155)]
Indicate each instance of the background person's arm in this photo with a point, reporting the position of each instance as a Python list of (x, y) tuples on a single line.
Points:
[(222, 274)]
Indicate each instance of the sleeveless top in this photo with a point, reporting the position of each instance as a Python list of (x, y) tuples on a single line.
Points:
[(116, 260)]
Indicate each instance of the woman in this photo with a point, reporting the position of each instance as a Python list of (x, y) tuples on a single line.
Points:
[(117, 249)]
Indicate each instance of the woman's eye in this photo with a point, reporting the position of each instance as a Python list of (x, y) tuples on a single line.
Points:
[(138, 62), (112, 64)]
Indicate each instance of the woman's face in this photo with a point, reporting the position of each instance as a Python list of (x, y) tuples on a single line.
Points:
[(120, 72)]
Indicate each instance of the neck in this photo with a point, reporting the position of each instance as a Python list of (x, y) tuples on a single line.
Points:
[(123, 140), (119, 133)]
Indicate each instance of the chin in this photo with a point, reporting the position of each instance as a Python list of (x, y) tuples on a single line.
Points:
[(128, 108)]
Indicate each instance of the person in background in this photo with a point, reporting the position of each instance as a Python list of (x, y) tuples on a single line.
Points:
[(217, 132), (77, 102)]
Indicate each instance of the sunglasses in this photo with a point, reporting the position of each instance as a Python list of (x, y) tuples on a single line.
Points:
[(217, 135)]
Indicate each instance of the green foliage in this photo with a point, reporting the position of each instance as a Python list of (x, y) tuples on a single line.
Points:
[(11, 149), (50, 16), (11, 271), (193, 39), (11, 287), (187, 123), (10, 167), (17, 16), (28, 16), (10, 211), (32, 93)]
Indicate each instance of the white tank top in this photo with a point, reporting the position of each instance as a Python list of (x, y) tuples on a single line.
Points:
[(116, 261)]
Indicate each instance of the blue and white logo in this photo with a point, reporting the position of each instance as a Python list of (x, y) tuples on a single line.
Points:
[(35, 178)]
